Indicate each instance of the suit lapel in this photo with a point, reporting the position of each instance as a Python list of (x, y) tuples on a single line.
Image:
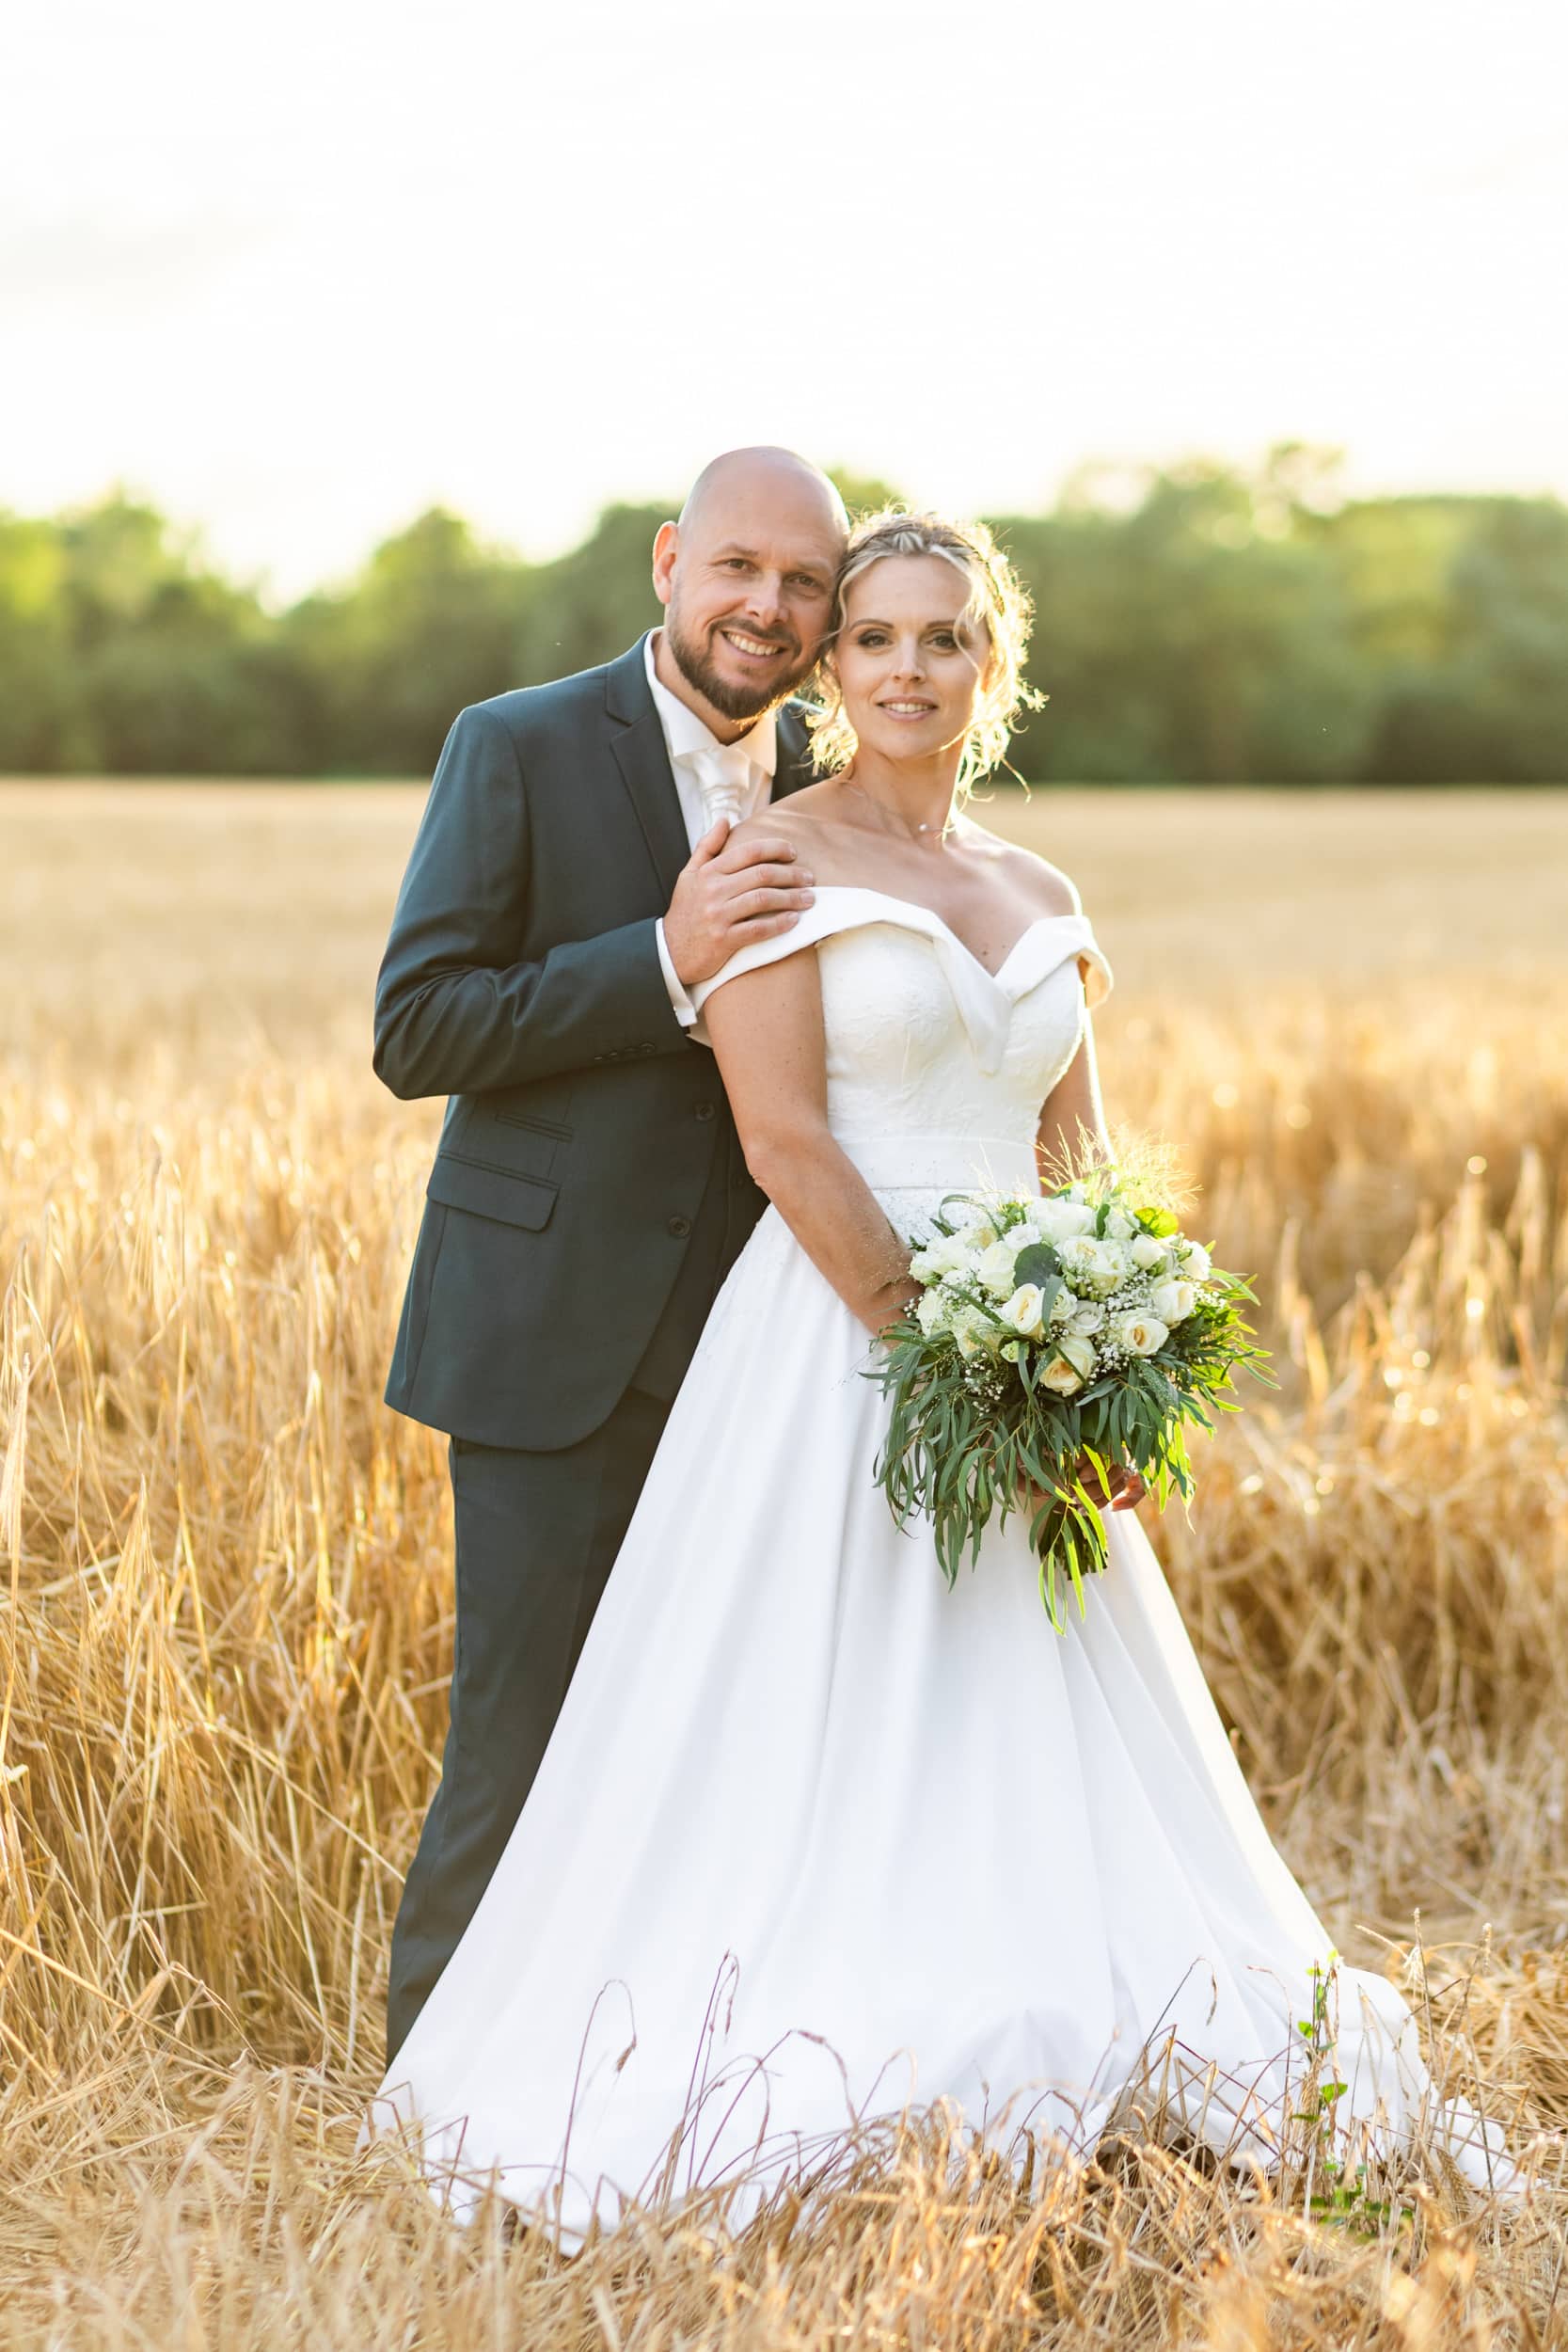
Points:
[(638, 741)]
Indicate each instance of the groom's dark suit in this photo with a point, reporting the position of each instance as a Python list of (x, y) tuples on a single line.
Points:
[(588, 1198)]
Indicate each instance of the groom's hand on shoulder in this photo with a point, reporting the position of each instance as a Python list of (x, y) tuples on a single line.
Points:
[(736, 887)]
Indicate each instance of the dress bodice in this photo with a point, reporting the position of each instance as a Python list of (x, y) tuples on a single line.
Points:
[(937, 1068)]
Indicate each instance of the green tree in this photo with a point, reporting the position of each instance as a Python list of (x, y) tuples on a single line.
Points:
[(1480, 693), (589, 605), (1196, 633), (159, 664), (35, 649), (429, 624)]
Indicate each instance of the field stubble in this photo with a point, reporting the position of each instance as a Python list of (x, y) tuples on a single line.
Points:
[(228, 1614)]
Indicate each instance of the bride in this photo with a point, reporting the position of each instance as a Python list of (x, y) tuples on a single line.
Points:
[(815, 1837)]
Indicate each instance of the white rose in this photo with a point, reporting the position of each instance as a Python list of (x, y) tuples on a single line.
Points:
[(931, 1312), (976, 1333), (942, 1254), (1072, 1365), (1062, 1306), (1120, 1226), (1022, 1313), (1172, 1302), (1094, 1266), (995, 1267), (1058, 1220), (1197, 1265), (975, 1228), (1147, 1254), (1140, 1335), (1087, 1314)]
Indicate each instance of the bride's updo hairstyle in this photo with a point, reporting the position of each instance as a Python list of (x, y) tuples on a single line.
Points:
[(998, 604)]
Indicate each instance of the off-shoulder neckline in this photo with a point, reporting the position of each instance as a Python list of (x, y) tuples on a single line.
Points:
[(918, 906), (986, 1000)]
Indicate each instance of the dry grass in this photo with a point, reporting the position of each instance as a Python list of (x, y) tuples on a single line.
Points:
[(228, 1622)]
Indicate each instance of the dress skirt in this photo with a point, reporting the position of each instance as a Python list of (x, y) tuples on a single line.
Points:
[(816, 1836)]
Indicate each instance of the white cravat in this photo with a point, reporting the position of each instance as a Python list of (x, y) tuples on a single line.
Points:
[(727, 779)]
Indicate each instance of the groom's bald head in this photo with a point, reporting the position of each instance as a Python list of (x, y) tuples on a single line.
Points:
[(743, 476), (747, 576)]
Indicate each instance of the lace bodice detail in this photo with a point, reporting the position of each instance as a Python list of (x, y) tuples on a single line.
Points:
[(937, 1068)]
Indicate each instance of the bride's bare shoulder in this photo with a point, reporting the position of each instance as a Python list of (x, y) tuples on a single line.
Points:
[(1047, 889), (808, 821)]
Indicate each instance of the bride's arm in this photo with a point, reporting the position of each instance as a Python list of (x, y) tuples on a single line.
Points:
[(1072, 1107), (765, 1029)]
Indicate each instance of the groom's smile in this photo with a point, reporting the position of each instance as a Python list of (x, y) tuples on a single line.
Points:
[(758, 654), (753, 648)]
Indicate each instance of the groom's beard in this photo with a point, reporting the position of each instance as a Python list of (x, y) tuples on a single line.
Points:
[(696, 667)]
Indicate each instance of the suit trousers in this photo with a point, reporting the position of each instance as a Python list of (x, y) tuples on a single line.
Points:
[(536, 1537)]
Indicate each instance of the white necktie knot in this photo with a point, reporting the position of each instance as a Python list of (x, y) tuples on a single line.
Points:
[(726, 776)]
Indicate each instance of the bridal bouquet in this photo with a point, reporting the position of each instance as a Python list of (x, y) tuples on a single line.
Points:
[(1081, 1327)]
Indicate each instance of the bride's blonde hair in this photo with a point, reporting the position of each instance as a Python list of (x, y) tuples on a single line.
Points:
[(998, 603)]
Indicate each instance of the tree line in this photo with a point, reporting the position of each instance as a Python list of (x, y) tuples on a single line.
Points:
[(1198, 623)]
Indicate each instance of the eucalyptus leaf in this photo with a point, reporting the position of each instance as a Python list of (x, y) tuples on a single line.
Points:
[(1038, 1264)]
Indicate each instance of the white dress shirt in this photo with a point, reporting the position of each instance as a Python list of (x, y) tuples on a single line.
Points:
[(691, 747)]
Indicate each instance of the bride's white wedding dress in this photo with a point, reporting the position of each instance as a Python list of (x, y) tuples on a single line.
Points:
[(814, 1835)]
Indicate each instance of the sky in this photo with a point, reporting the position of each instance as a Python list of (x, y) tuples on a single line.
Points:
[(296, 273)]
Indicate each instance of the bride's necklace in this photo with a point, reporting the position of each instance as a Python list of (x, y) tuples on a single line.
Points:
[(896, 823)]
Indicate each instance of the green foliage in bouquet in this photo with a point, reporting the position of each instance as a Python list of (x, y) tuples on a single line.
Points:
[(1055, 1334)]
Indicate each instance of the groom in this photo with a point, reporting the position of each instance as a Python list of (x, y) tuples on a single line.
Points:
[(569, 882)]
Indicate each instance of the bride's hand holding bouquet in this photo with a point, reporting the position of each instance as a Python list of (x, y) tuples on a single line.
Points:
[(1056, 1351)]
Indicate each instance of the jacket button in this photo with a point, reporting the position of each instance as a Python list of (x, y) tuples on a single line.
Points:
[(646, 1045), (705, 1110), (680, 1227)]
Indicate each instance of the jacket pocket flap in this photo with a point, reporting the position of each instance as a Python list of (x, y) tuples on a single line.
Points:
[(487, 1189)]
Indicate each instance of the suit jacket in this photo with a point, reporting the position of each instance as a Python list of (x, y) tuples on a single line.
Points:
[(522, 978)]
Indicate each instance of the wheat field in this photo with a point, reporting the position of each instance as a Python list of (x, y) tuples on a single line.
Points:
[(227, 1602)]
